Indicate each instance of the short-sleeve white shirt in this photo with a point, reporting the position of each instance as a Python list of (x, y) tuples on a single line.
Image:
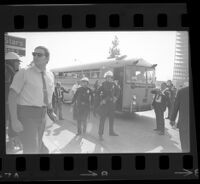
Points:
[(74, 88), (28, 84)]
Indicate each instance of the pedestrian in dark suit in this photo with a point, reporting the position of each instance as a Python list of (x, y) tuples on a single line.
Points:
[(109, 93), (83, 99), (159, 104), (171, 95), (181, 105)]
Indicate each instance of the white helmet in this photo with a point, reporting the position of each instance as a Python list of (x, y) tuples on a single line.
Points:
[(12, 56), (108, 73), (85, 79)]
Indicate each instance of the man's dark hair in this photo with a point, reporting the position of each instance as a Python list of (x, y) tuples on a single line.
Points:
[(47, 54)]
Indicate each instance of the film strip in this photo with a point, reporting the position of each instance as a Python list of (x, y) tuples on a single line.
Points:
[(111, 166)]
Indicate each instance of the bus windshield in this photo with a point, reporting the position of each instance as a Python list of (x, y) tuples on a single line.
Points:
[(140, 75)]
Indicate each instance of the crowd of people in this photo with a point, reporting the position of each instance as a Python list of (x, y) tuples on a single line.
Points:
[(32, 94)]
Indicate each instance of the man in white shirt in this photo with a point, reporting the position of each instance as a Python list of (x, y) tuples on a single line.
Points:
[(29, 97), (75, 87)]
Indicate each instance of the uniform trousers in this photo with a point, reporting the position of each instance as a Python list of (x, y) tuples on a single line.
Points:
[(33, 120), (82, 115), (106, 110)]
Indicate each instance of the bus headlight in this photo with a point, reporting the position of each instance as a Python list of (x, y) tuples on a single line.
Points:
[(134, 97), (134, 102)]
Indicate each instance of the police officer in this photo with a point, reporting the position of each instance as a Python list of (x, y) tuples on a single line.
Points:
[(12, 63), (83, 98), (109, 93)]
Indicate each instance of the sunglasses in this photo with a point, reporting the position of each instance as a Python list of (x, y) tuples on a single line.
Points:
[(37, 54)]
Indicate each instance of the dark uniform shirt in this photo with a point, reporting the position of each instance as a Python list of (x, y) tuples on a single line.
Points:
[(107, 92), (83, 99), (83, 96)]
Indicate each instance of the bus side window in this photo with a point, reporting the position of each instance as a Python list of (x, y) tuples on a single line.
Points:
[(60, 74), (74, 75), (80, 75), (86, 74), (95, 75)]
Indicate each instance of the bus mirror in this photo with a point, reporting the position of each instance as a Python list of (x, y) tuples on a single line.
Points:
[(135, 62), (154, 65)]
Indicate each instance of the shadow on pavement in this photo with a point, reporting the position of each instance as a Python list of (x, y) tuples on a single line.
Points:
[(73, 146), (62, 127)]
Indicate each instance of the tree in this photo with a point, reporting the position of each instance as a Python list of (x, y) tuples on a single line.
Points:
[(114, 50)]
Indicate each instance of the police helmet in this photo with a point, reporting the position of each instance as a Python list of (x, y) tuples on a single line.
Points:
[(85, 79), (108, 73), (12, 56)]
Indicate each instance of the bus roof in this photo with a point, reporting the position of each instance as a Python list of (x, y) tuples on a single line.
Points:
[(107, 63)]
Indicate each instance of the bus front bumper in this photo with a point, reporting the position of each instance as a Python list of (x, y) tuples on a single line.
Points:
[(137, 108)]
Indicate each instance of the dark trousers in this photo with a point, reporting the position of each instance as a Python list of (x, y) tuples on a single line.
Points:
[(160, 123), (58, 108), (184, 139), (107, 112), (169, 107), (81, 126), (33, 120), (82, 115)]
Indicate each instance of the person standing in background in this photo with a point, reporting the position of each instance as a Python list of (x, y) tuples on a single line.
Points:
[(171, 97), (96, 97), (84, 99), (73, 91), (29, 98), (75, 87), (159, 104), (58, 101)]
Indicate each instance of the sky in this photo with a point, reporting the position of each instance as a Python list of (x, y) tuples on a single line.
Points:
[(74, 48)]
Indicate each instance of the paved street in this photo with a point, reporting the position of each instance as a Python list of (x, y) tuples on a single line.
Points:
[(136, 135)]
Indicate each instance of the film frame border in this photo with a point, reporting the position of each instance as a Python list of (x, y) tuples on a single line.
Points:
[(146, 17)]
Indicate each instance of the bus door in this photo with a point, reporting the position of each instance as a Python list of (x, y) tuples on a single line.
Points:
[(118, 75)]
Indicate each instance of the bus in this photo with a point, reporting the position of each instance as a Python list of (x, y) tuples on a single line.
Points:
[(136, 78)]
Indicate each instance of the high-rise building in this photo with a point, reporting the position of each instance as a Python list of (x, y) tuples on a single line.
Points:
[(181, 60)]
